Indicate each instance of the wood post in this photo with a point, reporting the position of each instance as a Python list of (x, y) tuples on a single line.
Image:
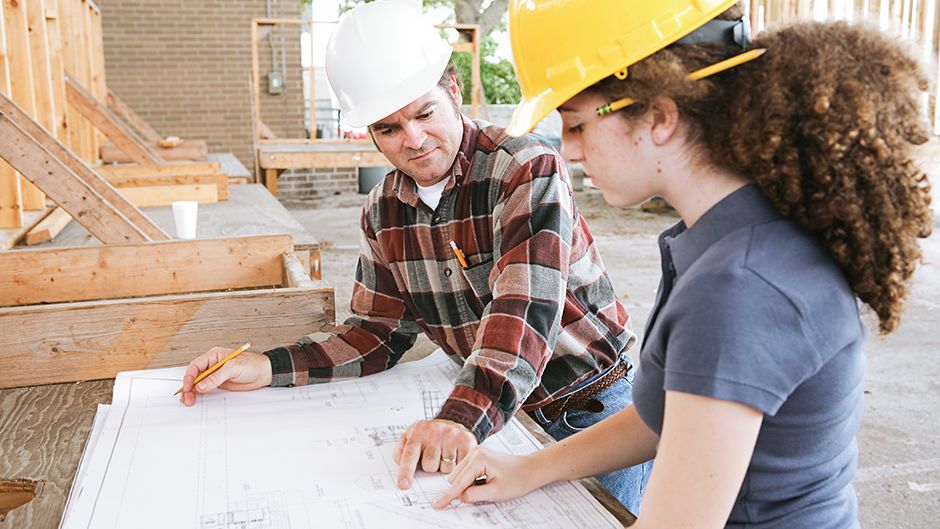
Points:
[(22, 86), (11, 196)]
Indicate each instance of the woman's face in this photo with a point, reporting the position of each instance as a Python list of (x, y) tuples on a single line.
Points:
[(616, 155)]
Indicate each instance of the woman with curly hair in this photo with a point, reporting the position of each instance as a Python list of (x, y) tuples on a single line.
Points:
[(789, 161)]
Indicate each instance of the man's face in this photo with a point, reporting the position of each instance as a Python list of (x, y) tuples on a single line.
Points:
[(422, 138)]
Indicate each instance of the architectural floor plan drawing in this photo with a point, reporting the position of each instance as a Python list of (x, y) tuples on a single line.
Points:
[(306, 457)]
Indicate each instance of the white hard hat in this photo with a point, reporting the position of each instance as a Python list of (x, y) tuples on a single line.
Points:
[(382, 56)]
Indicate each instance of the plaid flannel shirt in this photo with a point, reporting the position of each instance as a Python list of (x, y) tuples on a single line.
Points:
[(532, 316)]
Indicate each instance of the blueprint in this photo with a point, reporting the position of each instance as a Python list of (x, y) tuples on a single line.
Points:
[(317, 456)]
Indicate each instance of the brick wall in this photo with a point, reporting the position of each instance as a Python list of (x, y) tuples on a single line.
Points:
[(184, 66), (310, 183)]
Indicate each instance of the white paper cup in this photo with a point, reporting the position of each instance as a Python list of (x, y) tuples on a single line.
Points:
[(184, 213)]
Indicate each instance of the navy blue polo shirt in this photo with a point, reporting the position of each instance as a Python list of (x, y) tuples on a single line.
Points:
[(752, 309)]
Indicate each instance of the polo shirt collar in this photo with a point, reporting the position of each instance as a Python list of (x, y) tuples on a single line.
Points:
[(744, 207), (405, 186)]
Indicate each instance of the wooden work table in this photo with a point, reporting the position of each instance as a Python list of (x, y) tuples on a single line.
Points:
[(275, 156), (43, 430), (250, 210)]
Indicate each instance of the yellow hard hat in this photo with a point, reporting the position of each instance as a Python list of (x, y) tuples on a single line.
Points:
[(562, 47)]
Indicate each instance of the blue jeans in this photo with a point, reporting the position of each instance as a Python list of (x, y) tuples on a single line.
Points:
[(628, 484)]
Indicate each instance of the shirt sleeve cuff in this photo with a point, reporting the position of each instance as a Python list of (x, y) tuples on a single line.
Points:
[(282, 367), (472, 417)]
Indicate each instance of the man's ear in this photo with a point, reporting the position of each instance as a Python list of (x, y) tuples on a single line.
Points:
[(454, 89), (664, 115)]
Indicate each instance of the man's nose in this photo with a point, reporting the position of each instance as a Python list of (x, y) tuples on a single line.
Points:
[(414, 135)]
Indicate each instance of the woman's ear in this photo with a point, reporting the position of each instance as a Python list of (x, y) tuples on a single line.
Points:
[(664, 115)]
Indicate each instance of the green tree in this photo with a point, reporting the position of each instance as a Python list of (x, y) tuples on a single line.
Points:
[(496, 75)]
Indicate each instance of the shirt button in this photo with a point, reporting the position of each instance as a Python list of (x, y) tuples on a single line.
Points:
[(448, 272)]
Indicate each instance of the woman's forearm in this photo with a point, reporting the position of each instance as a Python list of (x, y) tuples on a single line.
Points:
[(619, 441)]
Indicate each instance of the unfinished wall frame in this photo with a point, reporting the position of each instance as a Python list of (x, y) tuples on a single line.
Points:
[(915, 20)]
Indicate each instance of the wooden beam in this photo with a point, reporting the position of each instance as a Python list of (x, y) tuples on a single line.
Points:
[(49, 227), (76, 168), (152, 170), (132, 118), (110, 271), (105, 120), (22, 85), (164, 195), (220, 181), (188, 150), (295, 274), (63, 186), (89, 340)]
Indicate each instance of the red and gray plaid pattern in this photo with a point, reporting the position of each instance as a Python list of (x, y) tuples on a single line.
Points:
[(534, 313)]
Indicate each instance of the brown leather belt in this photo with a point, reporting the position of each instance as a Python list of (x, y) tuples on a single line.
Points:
[(583, 399)]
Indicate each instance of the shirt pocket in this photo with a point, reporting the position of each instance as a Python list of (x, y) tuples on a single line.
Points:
[(478, 277)]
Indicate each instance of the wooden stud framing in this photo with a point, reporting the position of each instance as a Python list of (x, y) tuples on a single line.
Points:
[(73, 64), (11, 196), (28, 277), (63, 186), (22, 86), (82, 193), (41, 65), (33, 198), (54, 34), (53, 153), (89, 340), (105, 120)]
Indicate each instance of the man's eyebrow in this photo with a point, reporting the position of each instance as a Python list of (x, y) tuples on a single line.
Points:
[(427, 106), (383, 126)]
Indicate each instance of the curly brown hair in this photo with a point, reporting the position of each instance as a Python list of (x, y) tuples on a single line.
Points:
[(825, 122)]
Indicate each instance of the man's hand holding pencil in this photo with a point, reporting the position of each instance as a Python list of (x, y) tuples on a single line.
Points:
[(244, 371)]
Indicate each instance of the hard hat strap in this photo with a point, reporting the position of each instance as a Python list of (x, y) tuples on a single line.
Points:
[(730, 32)]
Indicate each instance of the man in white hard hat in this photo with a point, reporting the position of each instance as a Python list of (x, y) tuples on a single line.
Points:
[(474, 240)]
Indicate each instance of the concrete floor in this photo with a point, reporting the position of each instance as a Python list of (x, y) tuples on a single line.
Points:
[(898, 481)]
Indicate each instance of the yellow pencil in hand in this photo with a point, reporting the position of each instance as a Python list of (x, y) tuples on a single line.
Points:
[(217, 365)]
